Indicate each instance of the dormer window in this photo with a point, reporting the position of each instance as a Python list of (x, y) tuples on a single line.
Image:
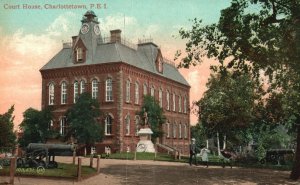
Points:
[(160, 65), (79, 55)]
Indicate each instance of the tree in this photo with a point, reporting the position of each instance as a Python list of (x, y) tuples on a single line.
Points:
[(7, 135), (227, 106), (258, 36), (155, 116), (83, 118), (35, 126)]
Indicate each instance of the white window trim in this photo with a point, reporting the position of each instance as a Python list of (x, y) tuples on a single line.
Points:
[(63, 123), (168, 129), (185, 131), (168, 100), (179, 131), (76, 93), (145, 89), (82, 86), (94, 89), (179, 104), (109, 90), (152, 91), (79, 55), (51, 94), (127, 91), (106, 125), (174, 130), (137, 93), (64, 93), (174, 102), (127, 125), (160, 99), (185, 104)]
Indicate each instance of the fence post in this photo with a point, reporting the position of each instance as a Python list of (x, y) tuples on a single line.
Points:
[(98, 164), (74, 156), (79, 169), (91, 161), (12, 169)]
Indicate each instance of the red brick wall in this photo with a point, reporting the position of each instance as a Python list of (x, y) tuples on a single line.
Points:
[(119, 108)]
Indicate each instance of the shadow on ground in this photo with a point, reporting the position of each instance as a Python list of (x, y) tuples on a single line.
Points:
[(170, 175)]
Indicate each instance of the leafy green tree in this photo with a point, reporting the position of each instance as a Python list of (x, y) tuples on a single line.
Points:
[(155, 116), (82, 117), (199, 133), (227, 106), (7, 135), (35, 126), (258, 36)]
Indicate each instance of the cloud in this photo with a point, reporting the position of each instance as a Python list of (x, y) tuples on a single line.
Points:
[(61, 24)]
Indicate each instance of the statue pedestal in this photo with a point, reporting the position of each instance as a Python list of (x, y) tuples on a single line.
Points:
[(145, 144)]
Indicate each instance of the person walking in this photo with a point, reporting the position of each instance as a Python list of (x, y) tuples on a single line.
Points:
[(204, 156), (193, 151)]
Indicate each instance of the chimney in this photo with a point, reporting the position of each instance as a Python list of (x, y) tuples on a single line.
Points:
[(115, 35)]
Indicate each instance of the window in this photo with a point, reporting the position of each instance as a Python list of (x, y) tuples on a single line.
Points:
[(137, 94), (179, 103), (82, 86), (79, 54), (50, 124), (185, 131), (94, 89), (168, 129), (160, 98), (137, 125), (63, 125), (179, 131), (51, 94), (174, 102), (108, 125), (145, 89), (75, 91), (174, 130), (168, 100), (127, 91), (108, 88), (152, 91), (127, 127), (64, 93), (184, 105)]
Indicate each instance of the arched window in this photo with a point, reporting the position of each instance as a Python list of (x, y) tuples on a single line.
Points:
[(137, 93), (50, 124), (174, 102), (145, 89), (185, 131), (179, 104), (185, 105), (63, 93), (51, 94), (109, 91), (174, 130), (75, 91), (160, 98), (137, 125), (63, 126), (168, 129), (95, 89), (168, 100), (152, 91), (127, 125), (82, 86), (127, 91), (179, 131), (108, 125)]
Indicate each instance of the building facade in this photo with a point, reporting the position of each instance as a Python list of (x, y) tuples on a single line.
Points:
[(118, 74)]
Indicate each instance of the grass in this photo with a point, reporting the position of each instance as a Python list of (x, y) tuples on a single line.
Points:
[(63, 170)]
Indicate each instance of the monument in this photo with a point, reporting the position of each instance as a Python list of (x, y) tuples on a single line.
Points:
[(145, 144)]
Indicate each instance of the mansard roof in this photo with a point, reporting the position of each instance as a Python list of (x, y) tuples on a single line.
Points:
[(143, 57)]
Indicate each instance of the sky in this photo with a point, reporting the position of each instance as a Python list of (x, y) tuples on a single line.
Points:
[(31, 33)]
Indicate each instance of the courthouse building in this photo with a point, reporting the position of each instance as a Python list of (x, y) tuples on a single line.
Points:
[(118, 74)]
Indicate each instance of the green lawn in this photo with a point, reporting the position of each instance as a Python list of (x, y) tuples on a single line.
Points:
[(63, 170)]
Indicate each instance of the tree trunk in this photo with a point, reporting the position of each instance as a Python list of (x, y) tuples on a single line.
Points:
[(295, 174), (218, 142), (224, 142)]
